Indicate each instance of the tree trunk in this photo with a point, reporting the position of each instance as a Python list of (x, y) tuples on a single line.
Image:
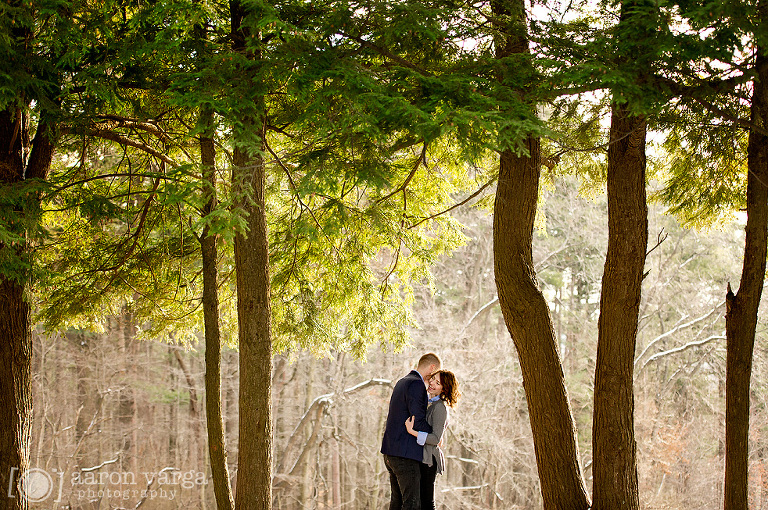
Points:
[(741, 315), (523, 306), (307, 487), (526, 314), (15, 332), (614, 449), (217, 449), (15, 389), (254, 475), (16, 260), (335, 474), (173, 419), (127, 406)]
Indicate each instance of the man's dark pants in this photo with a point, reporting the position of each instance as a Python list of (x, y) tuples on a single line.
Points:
[(405, 479)]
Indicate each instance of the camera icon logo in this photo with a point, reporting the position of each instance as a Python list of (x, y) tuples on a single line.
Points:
[(35, 485)]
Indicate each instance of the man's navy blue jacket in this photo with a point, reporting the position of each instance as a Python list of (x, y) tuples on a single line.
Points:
[(409, 398)]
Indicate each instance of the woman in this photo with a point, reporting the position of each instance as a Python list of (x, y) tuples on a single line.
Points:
[(443, 390)]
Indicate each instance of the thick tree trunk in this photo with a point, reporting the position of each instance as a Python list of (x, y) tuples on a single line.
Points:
[(741, 315), (614, 449), (523, 306), (15, 332), (15, 336), (254, 471), (15, 390), (217, 449), (526, 314)]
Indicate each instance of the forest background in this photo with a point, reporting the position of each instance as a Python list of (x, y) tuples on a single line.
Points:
[(227, 228)]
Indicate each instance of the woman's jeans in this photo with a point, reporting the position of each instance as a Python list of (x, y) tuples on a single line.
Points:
[(428, 475)]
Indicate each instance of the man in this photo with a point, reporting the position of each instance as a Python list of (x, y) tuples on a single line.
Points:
[(402, 452)]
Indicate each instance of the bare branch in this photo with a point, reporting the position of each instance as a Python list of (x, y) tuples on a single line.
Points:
[(537, 266), (733, 118), (677, 329), (116, 122), (659, 241), (421, 159), (146, 492), (689, 345), (470, 197), (293, 185), (477, 314), (107, 134), (388, 54)]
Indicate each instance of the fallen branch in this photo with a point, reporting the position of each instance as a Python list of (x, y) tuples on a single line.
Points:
[(315, 413), (105, 463), (467, 488), (462, 459)]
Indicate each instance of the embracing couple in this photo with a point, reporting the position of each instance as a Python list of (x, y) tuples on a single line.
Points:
[(413, 435)]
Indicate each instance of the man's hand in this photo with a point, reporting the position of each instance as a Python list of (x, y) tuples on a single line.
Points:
[(409, 425)]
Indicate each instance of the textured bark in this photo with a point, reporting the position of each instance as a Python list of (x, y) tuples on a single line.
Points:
[(217, 449), (254, 471), (15, 390), (741, 315), (614, 449), (523, 306), (15, 336), (15, 332), (527, 316)]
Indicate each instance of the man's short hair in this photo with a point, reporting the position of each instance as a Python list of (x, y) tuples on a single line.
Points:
[(429, 358)]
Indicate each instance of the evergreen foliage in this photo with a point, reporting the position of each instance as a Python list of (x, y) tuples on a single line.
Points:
[(351, 228), (380, 118), (377, 115)]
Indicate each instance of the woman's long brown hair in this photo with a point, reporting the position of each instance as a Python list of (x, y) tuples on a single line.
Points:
[(450, 393)]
